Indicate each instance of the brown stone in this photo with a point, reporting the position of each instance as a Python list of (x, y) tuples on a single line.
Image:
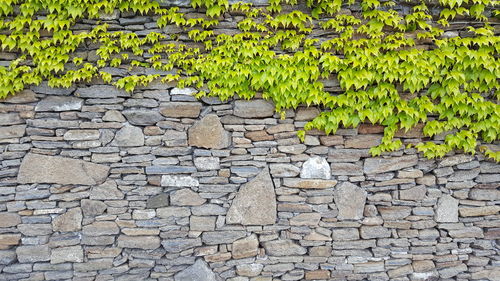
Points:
[(331, 140), (423, 266), (9, 219), (370, 129), (394, 212), (69, 221), (139, 242), (479, 211), (350, 200), (306, 113), (181, 109), (259, 136), (9, 240), (309, 183), (306, 219), (253, 108), (209, 133), (414, 132), (246, 247), (381, 165)]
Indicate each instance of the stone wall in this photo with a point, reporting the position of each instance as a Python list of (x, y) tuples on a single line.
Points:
[(98, 184)]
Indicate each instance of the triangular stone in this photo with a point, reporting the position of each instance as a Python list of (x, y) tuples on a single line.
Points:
[(209, 133), (255, 203), (199, 271)]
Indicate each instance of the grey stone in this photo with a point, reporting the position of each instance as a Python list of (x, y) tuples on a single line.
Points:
[(129, 136), (7, 257), (209, 133), (59, 103), (381, 165), (447, 209), (245, 171), (92, 207), (345, 234), (36, 168), (157, 201), (464, 175), (66, 254), (415, 193), (253, 108), (35, 229), (69, 221), (142, 117), (186, 197), (350, 201), (246, 247), (204, 223), (44, 88), (199, 271), (255, 203), (183, 91), (72, 135), (283, 248), (106, 191), (30, 254), (394, 212), (207, 163), (346, 169), (9, 219), (10, 119), (250, 270), (209, 210), (284, 170), (139, 242), (455, 160), (180, 244), (316, 168), (179, 181), (490, 168), (100, 91), (377, 231), (93, 265), (163, 170), (309, 219), (309, 183), (177, 212), (484, 194), (100, 228), (8, 132), (221, 237), (113, 116)]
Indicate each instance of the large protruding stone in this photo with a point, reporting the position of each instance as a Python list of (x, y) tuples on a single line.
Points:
[(253, 108), (316, 168), (350, 200), (37, 168), (209, 133), (129, 136), (447, 209), (199, 271), (381, 165), (255, 203)]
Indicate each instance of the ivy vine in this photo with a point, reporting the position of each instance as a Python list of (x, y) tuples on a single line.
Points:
[(396, 69)]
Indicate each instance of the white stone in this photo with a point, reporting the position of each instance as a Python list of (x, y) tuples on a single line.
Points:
[(316, 168)]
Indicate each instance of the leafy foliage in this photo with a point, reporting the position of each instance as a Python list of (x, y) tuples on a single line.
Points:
[(387, 74)]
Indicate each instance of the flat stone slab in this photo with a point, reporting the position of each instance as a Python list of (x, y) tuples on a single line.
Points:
[(199, 271), (36, 168), (309, 183), (59, 103)]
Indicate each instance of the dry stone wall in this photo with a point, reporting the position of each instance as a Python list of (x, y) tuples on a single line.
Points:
[(99, 184)]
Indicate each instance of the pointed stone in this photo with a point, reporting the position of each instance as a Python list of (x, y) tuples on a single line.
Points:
[(209, 133), (316, 168), (70, 221), (129, 136), (199, 271), (106, 191), (350, 200), (186, 197), (253, 108), (447, 209), (255, 203)]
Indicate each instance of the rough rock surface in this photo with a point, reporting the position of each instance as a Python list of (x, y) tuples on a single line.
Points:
[(350, 200), (209, 133)]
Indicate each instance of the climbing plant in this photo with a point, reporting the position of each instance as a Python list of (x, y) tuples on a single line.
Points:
[(398, 69)]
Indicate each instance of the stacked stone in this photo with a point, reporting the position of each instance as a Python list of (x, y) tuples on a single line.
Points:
[(101, 184)]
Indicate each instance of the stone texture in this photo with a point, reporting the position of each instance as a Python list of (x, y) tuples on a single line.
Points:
[(284, 170), (100, 228), (209, 133), (92, 207), (316, 168), (158, 201), (59, 103), (142, 117), (16, 131), (309, 219), (66, 254), (199, 271), (36, 168), (253, 108), (479, 211), (100, 91), (350, 201), (9, 219), (309, 183), (139, 242), (180, 244), (35, 253), (246, 247), (128, 136), (447, 209), (382, 165), (69, 221), (283, 248), (186, 197), (203, 223), (179, 181), (221, 237), (181, 109), (255, 203), (106, 191)]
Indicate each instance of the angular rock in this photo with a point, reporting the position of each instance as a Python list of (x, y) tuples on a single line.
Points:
[(180, 244), (7, 240), (283, 248), (10, 119), (207, 163), (209, 133), (113, 116), (37, 168), (186, 197), (100, 228), (316, 168), (177, 212), (221, 237), (181, 109), (30, 254), (255, 202), (249, 270), (246, 247), (253, 108), (204, 223), (92, 207), (377, 231), (8, 132), (199, 271), (345, 234), (66, 254), (142, 117), (467, 232), (363, 141), (381, 165), (59, 103), (7, 257), (394, 212), (308, 219), (455, 160), (25, 96), (139, 242), (179, 181), (479, 211), (350, 201), (106, 191), (100, 92), (346, 169), (284, 170), (309, 183), (484, 194), (69, 221), (157, 201), (129, 136), (72, 135), (9, 219), (415, 193), (447, 209)]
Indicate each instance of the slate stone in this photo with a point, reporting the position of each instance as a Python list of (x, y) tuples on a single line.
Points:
[(25, 96), (255, 202), (163, 170), (209, 133), (35, 253), (44, 88), (142, 117), (186, 197), (316, 168), (100, 91), (113, 116), (479, 211), (9, 132), (72, 135), (309, 183), (66, 254), (7, 257), (59, 103), (283, 248), (350, 200), (69, 221), (181, 109), (199, 271), (221, 237), (36, 168), (380, 165), (10, 119), (92, 208), (394, 212), (283, 170), (106, 191), (157, 201), (253, 108), (447, 209), (179, 181), (129, 136), (207, 163), (139, 242), (100, 228), (9, 219), (246, 247), (180, 244), (202, 223)]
